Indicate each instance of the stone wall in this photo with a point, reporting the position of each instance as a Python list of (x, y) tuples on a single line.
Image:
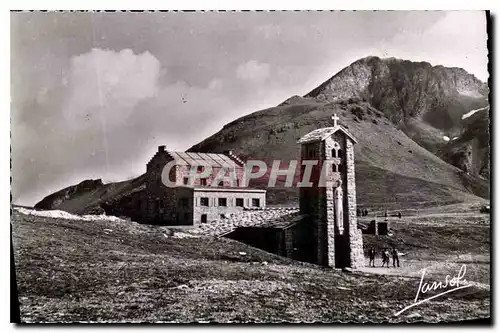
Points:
[(214, 211), (180, 205), (333, 248), (355, 234), (332, 229), (289, 245)]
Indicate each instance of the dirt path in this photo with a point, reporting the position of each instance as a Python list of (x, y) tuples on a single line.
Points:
[(476, 268), (458, 214), (437, 219)]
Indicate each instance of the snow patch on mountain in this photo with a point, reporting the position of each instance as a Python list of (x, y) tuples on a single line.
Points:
[(65, 215), (470, 113)]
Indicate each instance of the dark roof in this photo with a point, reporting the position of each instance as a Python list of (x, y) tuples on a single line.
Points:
[(285, 221), (321, 134), (204, 159)]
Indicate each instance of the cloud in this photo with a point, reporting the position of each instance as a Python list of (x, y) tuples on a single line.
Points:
[(105, 81), (269, 30), (215, 84), (78, 129), (441, 43), (253, 71)]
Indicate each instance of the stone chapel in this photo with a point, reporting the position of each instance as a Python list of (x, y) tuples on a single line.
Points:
[(330, 204)]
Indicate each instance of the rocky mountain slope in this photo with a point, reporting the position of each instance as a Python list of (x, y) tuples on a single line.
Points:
[(402, 112), (426, 102), (471, 148), (92, 196)]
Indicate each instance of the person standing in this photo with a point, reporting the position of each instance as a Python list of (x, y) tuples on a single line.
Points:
[(385, 258), (395, 257), (371, 254)]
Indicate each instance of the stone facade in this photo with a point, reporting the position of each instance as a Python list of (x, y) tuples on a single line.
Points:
[(331, 207), (201, 200), (355, 234), (221, 203)]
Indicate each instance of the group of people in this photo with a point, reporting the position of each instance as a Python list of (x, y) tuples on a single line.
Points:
[(362, 212), (385, 257), (398, 215)]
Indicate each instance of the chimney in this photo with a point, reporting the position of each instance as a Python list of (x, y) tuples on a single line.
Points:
[(228, 152), (161, 149)]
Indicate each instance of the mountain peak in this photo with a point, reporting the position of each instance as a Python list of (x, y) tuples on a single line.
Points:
[(404, 89)]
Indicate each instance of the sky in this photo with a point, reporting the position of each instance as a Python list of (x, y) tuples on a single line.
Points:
[(94, 94)]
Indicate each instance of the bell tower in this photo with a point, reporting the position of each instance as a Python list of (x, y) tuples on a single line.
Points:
[(330, 203)]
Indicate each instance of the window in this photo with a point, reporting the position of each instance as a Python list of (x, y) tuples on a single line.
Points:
[(200, 168), (221, 183), (335, 168), (203, 182), (160, 204), (255, 202), (171, 176), (239, 202), (336, 151), (186, 180), (223, 202), (204, 202), (203, 218)]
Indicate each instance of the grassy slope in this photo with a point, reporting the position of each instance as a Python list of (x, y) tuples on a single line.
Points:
[(123, 272), (383, 152)]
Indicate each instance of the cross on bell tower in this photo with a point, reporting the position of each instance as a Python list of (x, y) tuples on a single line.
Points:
[(335, 118)]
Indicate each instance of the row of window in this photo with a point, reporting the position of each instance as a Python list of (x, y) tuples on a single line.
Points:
[(204, 219), (336, 153), (222, 202), (187, 217), (337, 168)]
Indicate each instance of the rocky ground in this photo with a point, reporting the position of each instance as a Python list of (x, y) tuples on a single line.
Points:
[(105, 270)]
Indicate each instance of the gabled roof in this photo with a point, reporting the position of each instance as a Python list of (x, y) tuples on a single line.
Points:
[(203, 159), (321, 134)]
